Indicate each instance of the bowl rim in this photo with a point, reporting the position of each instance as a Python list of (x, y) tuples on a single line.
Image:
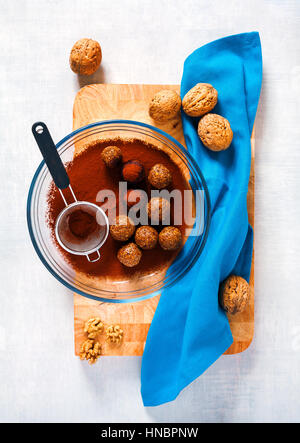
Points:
[(68, 137)]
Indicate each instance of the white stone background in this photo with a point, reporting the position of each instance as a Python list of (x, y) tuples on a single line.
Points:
[(144, 42)]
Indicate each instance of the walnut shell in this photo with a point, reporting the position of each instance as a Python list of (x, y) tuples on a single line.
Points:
[(199, 100), (159, 176), (165, 105), (215, 132), (85, 57), (234, 294)]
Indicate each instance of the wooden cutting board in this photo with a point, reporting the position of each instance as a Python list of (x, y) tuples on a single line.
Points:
[(103, 102)]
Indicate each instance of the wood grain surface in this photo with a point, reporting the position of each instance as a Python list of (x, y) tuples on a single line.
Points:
[(100, 102)]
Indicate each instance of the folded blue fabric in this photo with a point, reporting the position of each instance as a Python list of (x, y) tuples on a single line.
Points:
[(189, 330)]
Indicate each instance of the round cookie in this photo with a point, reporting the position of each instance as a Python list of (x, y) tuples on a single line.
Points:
[(234, 294), (146, 237), (199, 100), (158, 209), (215, 132), (129, 255), (170, 238), (122, 229), (159, 176), (111, 155), (165, 105)]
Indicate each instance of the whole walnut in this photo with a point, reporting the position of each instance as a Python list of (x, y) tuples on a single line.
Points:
[(215, 132), (158, 209), (159, 176), (165, 105), (199, 100), (85, 57), (234, 294)]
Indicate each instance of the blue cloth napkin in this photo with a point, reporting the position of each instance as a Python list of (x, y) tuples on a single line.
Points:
[(189, 330)]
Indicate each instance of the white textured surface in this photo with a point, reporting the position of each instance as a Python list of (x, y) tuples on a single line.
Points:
[(144, 41)]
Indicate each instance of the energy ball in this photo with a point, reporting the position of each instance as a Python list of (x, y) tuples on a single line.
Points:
[(158, 209), (146, 237), (111, 155), (234, 294), (164, 106), (85, 57), (123, 228), (170, 238), (215, 132), (159, 176), (133, 196), (199, 100), (133, 171), (129, 255)]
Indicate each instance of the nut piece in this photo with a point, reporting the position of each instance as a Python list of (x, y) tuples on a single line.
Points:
[(90, 350), (111, 155), (133, 171), (165, 105), (123, 228), (199, 100), (114, 334), (159, 176), (130, 255), (215, 132), (170, 238), (234, 294), (146, 237), (93, 326), (85, 57), (158, 210)]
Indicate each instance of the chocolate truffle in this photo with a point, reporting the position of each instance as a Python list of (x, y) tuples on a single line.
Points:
[(170, 238), (129, 255), (122, 229), (158, 209), (111, 155), (234, 294), (133, 171), (159, 176), (199, 100), (165, 105), (215, 132), (85, 57), (146, 237)]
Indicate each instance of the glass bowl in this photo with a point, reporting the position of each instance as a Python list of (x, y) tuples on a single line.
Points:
[(52, 258)]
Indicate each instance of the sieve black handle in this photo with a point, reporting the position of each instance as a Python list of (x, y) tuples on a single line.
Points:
[(51, 156)]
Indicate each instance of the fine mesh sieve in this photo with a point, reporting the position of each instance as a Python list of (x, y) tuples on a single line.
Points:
[(90, 244)]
